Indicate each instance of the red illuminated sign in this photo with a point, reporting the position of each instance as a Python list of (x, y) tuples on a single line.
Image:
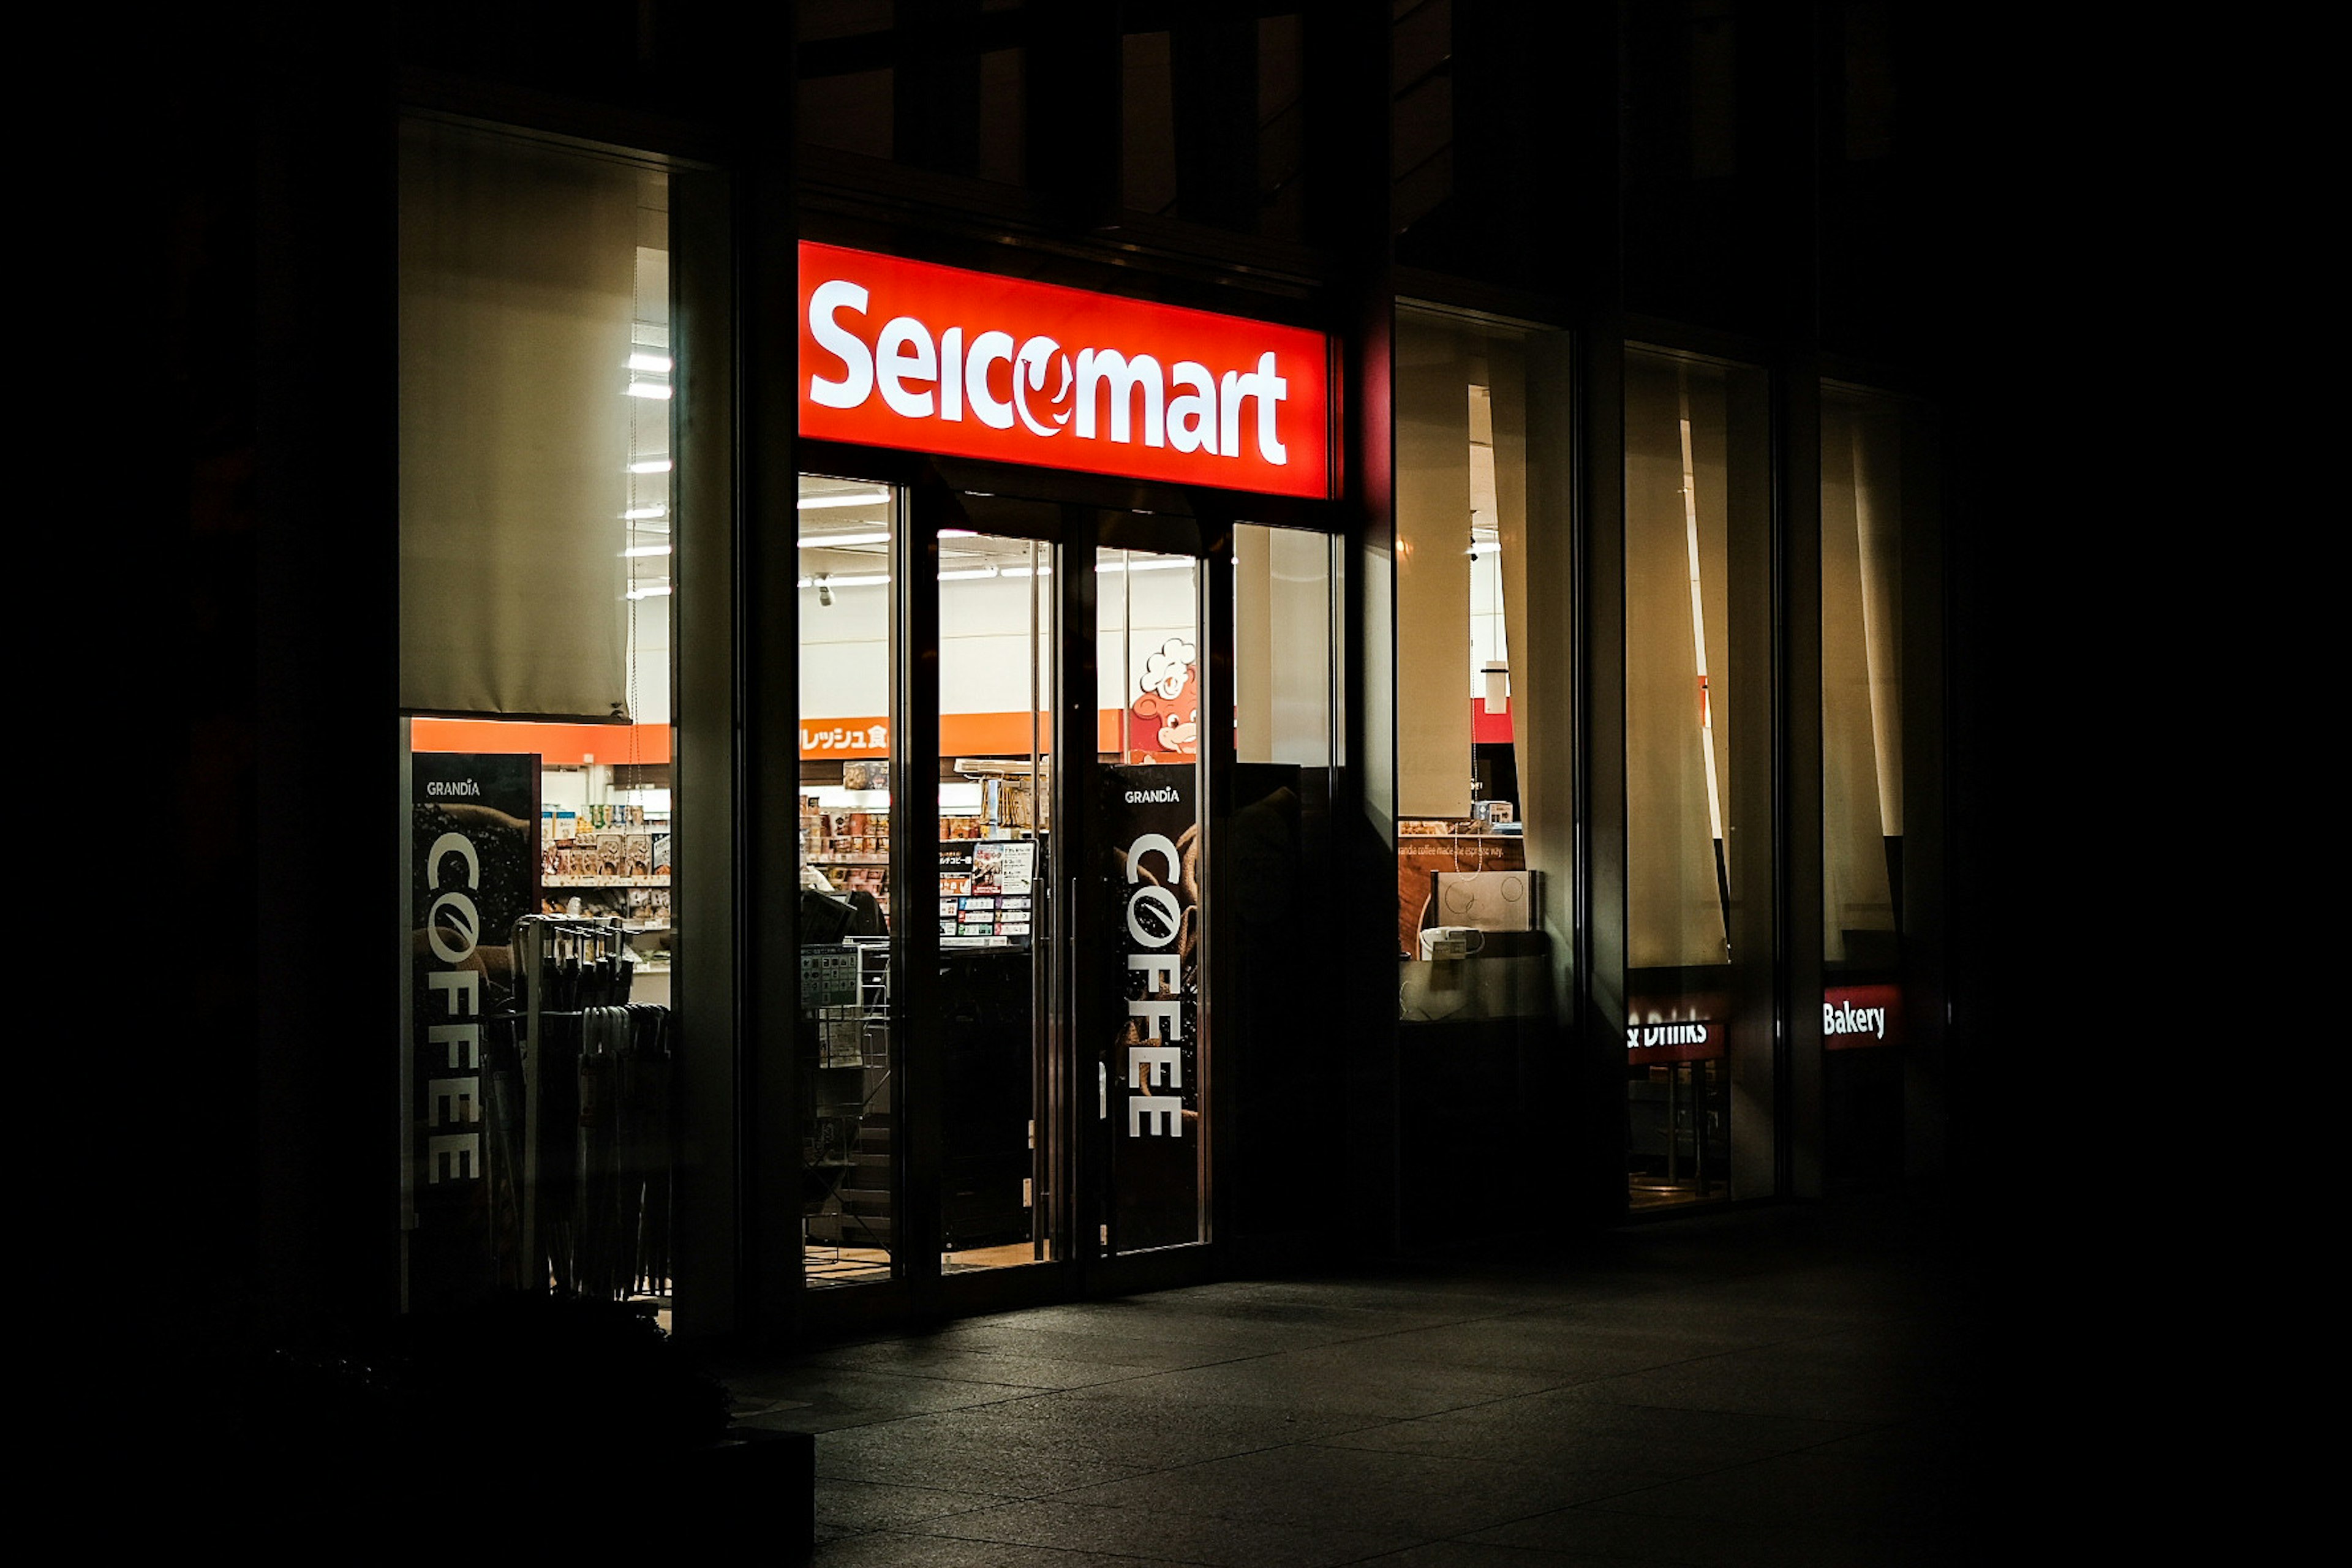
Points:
[(1682, 1041), (1856, 1015), (935, 358)]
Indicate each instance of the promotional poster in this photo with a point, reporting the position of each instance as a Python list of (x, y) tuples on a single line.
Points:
[(1152, 1063), (474, 870)]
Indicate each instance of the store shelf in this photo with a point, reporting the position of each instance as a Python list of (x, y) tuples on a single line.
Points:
[(577, 881)]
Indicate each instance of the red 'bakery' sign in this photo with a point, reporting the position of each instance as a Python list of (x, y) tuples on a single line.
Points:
[(936, 359)]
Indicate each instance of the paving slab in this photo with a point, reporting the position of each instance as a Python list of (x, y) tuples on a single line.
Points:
[(1793, 1386)]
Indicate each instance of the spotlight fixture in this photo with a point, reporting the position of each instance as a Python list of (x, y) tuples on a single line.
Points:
[(823, 589)]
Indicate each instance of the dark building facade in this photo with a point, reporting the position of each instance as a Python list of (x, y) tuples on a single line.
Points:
[(1558, 452)]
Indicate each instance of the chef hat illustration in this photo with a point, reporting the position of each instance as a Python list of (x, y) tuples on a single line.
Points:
[(1167, 670)]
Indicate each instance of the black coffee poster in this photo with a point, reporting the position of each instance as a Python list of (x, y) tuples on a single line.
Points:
[(1152, 1056), (472, 872)]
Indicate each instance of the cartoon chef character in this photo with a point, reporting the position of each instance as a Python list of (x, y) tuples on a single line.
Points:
[(1168, 699)]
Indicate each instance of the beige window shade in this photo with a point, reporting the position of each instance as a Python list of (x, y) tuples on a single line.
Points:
[(1861, 687), (1675, 521), (518, 266), (1433, 590)]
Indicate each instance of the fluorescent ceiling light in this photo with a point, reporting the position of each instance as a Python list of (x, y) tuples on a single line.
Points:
[(660, 365), (866, 580), (636, 551), (1025, 572), (648, 593), (1178, 565), (639, 513), (650, 466), (852, 498), (648, 389), (841, 541), (967, 576)]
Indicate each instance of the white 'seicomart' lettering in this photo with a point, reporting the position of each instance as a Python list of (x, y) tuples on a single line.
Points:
[(1100, 393)]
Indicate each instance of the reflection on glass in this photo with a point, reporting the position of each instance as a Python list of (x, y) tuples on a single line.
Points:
[(1272, 850), (1283, 646), (996, 707), (1697, 806), (847, 1050), (1153, 1068)]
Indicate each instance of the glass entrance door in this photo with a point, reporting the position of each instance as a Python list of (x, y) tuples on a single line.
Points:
[(999, 1190), (1069, 958), (1005, 922), (1148, 1035)]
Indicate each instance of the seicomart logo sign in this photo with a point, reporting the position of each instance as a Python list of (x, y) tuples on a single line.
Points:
[(935, 358)]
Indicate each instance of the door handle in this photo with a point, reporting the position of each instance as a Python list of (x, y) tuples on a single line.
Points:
[(1102, 1070)]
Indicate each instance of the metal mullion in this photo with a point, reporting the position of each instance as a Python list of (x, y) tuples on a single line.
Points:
[(1797, 834), (1219, 755), (1077, 899), (915, 881), (1052, 1037)]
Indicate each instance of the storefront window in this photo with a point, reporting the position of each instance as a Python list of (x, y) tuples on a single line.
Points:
[(1699, 1022), (1485, 718), (1863, 779), (1483, 671), (537, 411)]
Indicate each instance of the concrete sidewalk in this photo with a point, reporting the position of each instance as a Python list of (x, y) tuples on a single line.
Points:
[(1792, 1384)]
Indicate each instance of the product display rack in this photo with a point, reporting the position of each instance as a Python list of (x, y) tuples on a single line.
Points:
[(850, 847), (614, 866), (846, 1149), (592, 1171)]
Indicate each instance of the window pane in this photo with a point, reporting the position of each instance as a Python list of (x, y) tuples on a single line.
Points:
[(849, 1050), (1483, 673), (1485, 727), (996, 875), (1284, 650), (1698, 761), (1153, 1074), (1862, 802), (535, 548)]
